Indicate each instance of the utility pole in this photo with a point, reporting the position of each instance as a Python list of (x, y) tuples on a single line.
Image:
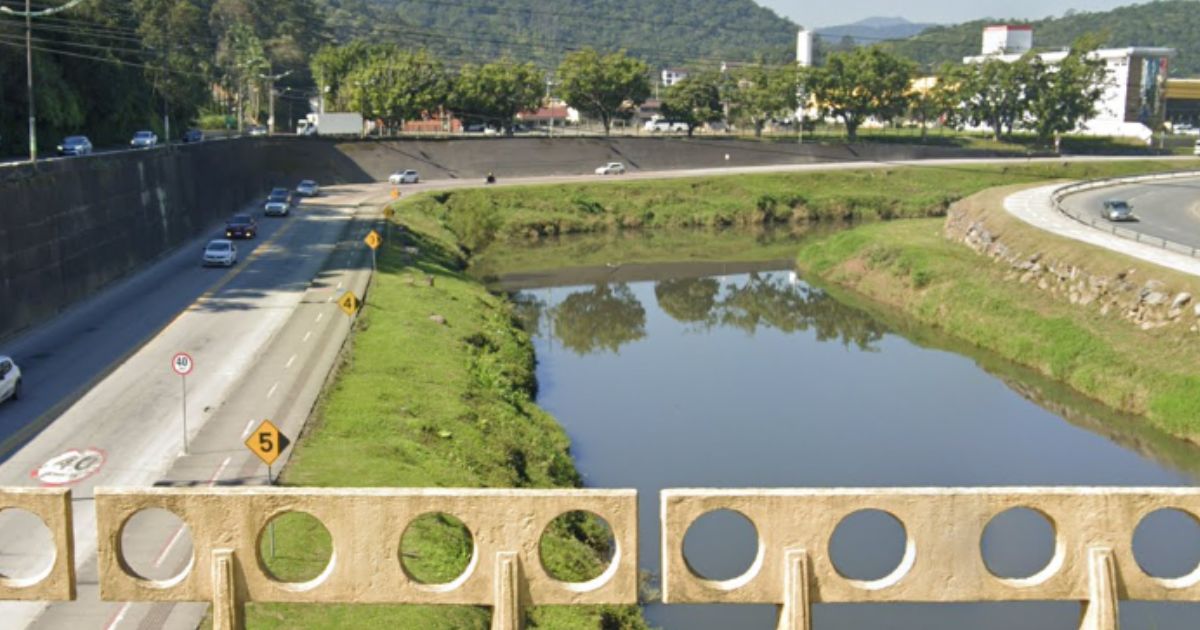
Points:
[(29, 14), (272, 78)]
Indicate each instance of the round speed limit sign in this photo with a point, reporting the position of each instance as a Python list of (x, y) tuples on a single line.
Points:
[(182, 363)]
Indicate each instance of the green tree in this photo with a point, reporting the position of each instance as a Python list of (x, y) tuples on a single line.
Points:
[(759, 93), (695, 100), (497, 92), (605, 87), (688, 300), (397, 85), (1058, 98), (860, 84), (176, 32), (992, 93), (604, 318)]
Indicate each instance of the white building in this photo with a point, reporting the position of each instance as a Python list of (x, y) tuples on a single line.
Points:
[(1132, 103), (671, 76)]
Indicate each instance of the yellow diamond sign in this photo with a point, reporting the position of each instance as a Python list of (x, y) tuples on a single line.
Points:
[(373, 240), (349, 303), (268, 442)]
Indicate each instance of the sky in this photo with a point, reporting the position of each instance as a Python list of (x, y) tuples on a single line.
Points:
[(812, 14)]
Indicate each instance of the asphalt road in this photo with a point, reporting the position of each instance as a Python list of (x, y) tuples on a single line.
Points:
[(1164, 210), (264, 336)]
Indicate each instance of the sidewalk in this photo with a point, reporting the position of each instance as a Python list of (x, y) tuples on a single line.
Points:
[(1035, 207)]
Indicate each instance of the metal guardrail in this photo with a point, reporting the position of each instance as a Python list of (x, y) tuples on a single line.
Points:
[(1098, 222), (1092, 562)]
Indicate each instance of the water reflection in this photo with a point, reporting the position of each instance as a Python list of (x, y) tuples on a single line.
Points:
[(601, 319)]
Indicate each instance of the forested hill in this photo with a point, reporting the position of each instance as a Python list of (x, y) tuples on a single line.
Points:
[(1170, 23), (663, 32)]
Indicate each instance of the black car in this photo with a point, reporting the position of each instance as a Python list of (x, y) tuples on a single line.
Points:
[(241, 226), (193, 135)]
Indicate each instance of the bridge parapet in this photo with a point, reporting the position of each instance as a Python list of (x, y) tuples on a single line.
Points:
[(1092, 562), (228, 524), (56, 582)]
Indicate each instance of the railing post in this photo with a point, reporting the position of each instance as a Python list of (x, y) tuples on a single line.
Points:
[(1100, 611), (506, 608), (226, 603), (796, 612)]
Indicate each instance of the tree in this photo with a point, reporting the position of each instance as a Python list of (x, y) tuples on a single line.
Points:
[(860, 84), (688, 300), (1059, 97), (759, 93), (397, 85), (695, 100), (497, 91), (176, 33), (992, 93), (604, 318), (603, 87)]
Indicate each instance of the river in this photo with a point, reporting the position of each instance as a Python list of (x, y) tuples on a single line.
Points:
[(744, 375)]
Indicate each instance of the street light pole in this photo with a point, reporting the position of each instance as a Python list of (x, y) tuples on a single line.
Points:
[(29, 81), (272, 78)]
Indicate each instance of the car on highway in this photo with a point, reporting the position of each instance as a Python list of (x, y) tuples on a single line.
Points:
[(75, 145), (257, 130), (1117, 210), (404, 177), (612, 168), (144, 140), (220, 252), (193, 135), (10, 379), (308, 188), (1196, 148), (241, 226), (279, 203)]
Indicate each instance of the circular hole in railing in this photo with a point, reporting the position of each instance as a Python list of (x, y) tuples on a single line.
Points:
[(1019, 544), (870, 547), (295, 548), (156, 546), (1166, 545), (577, 547), (436, 549), (27, 551), (722, 546)]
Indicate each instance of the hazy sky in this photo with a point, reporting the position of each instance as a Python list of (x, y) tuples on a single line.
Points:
[(812, 13)]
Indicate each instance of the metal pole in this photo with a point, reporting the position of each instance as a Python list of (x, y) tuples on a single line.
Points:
[(184, 416), (271, 109), (166, 121), (29, 81), (271, 533)]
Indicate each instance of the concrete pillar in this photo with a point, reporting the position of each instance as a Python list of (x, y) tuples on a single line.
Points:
[(226, 605), (506, 608), (1100, 611), (796, 612)]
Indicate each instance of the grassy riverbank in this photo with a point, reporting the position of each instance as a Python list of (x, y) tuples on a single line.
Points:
[(419, 403), (480, 217), (912, 266)]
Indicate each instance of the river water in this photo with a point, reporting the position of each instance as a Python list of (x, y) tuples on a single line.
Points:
[(730, 376)]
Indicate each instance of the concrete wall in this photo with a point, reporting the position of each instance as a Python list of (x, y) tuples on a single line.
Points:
[(70, 227)]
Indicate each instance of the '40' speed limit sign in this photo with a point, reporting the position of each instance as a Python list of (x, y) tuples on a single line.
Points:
[(182, 363)]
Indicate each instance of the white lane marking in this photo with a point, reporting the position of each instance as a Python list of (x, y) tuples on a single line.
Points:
[(290, 362), (118, 617), (329, 299), (307, 335), (162, 556), (320, 316), (271, 392), (339, 285), (248, 429)]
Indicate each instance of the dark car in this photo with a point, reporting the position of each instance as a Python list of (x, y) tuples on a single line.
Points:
[(241, 226), (75, 145), (193, 135), (279, 202)]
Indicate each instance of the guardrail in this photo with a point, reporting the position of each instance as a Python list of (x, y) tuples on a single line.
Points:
[(366, 527), (1061, 193), (56, 582), (1092, 563)]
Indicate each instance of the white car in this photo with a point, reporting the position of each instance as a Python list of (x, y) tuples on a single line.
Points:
[(220, 252), (143, 139), (10, 379), (404, 177), (308, 188), (612, 168)]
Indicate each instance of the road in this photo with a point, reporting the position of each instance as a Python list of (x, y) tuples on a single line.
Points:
[(102, 407), (1165, 209)]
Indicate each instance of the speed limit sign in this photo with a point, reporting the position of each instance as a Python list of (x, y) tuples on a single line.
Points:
[(182, 363)]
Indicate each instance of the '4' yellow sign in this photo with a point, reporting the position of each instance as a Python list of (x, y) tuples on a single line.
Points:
[(349, 303)]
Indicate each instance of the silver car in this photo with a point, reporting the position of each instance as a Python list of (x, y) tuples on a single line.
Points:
[(1117, 210), (143, 140), (220, 252), (308, 188), (612, 168), (404, 177), (10, 379)]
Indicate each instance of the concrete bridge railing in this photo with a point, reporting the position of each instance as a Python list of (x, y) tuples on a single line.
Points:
[(1092, 562)]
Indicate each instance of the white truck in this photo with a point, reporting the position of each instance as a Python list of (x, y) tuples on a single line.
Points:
[(330, 124)]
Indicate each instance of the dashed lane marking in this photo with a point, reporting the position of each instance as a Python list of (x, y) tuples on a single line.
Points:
[(320, 316), (306, 336), (248, 429), (290, 362), (271, 392)]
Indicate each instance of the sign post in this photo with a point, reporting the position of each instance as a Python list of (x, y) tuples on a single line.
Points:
[(183, 365), (373, 241), (268, 442)]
